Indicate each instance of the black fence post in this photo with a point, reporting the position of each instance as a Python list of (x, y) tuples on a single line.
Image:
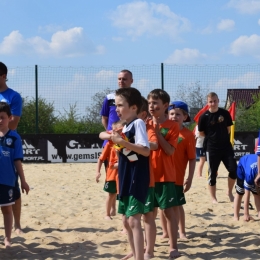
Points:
[(162, 76), (36, 101)]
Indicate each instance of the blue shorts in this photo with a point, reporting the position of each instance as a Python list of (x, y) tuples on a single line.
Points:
[(200, 152), (6, 195)]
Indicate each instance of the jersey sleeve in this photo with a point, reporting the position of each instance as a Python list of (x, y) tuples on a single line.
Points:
[(258, 145), (191, 147), (105, 152), (105, 108), (173, 135), (229, 119), (140, 133), (18, 151), (201, 127), (16, 105)]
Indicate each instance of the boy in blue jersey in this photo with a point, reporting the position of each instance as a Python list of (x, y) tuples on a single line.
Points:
[(11, 155), (133, 166), (14, 100), (247, 170)]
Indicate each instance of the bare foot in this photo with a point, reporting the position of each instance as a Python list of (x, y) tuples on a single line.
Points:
[(174, 254), (199, 176), (236, 218), (113, 212), (7, 242), (18, 231), (231, 197), (124, 231), (214, 201), (107, 218), (183, 236), (128, 256), (148, 256), (164, 235)]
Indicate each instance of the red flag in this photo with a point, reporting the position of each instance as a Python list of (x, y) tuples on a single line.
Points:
[(232, 111), (197, 117)]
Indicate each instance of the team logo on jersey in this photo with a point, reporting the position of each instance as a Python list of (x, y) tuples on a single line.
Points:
[(164, 131), (10, 193), (9, 141), (119, 147), (179, 139), (220, 119)]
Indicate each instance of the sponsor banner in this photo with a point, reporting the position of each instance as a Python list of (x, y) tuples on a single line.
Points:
[(72, 148), (61, 148)]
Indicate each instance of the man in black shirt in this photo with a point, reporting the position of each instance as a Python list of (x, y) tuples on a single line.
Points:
[(215, 125)]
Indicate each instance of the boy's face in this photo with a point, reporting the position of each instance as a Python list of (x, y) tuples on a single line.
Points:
[(4, 121), (177, 115), (156, 107), (123, 110), (124, 80), (2, 80), (213, 102)]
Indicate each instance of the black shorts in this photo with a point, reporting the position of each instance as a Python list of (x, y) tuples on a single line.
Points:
[(17, 192), (214, 159), (240, 187), (6, 195)]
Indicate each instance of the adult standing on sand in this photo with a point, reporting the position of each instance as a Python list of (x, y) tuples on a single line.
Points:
[(14, 100), (108, 111), (215, 125)]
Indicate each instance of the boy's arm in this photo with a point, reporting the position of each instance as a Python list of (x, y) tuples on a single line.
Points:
[(19, 169), (188, 181), (104, 135), (104, 120), (168, 149), (153, 146), (98, 174), (117, 139), (247, 217), (257, 178), (14, 122)]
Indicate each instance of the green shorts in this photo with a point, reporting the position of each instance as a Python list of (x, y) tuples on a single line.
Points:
[(130, 206), (180, 195), (149, 203), (165, 195), (110, 186)]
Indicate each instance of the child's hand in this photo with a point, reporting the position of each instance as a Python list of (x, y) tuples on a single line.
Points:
[(247, 218), (116, 138), (187, 185), (25, 186), (98, 175), (115, 166)]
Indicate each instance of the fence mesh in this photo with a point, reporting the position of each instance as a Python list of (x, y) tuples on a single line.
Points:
[(66, 86)]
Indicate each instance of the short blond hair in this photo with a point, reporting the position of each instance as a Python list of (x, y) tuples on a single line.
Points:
[(212, 94)]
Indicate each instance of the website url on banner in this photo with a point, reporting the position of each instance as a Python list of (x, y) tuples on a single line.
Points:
[(80, 156)]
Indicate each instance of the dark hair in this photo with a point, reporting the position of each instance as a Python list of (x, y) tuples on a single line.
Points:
[(4, 107), (3, 69), (159, 94), (132, 97), (127, 71), (144, 107)]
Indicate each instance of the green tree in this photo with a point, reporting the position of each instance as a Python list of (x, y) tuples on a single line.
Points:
[(247, 119), (27, 124), (70, 122)]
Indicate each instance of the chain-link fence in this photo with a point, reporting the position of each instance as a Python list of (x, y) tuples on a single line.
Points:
[(66, 87)]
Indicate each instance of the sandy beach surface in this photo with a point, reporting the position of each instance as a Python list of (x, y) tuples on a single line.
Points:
[(63, 218)]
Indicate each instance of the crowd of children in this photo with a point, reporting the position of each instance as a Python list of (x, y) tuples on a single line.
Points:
[(151, 154)]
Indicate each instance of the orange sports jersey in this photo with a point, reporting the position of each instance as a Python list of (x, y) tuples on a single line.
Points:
[(186, 150), (162, 164), (153, 139), (109, 154)]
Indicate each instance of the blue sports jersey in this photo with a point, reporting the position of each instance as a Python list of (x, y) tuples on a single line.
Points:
[(258, 145), (247, 170), (133, 168), (10, 151), (14, 100)]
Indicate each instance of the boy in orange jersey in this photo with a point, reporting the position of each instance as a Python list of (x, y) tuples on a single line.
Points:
[(109, 154), (185, 152), (167, 133)]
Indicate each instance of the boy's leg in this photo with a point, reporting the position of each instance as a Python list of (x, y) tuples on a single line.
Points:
[(172, 229), (257, 203), (129, 234), (164, 225), (113, 207), (237, 205), (138, 238), (109, 203), (181, 222), (17, 209), (150, 234), (200, 165), (213, 160), (8, 223), (230, 163)]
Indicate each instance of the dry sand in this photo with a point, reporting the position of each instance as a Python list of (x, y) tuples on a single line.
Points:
[(63, 218)]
